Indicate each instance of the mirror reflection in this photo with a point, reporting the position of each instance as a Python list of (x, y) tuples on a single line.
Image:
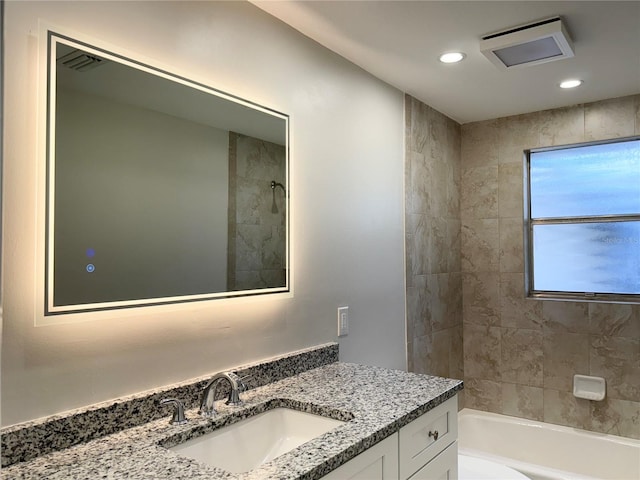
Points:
[(160, 189)]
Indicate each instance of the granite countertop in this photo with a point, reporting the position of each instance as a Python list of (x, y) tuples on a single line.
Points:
[(377, 401)]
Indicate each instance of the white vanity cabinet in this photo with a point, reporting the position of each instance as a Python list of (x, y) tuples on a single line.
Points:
[(443, 467), (428, 446), (380, 462), (416, 452)]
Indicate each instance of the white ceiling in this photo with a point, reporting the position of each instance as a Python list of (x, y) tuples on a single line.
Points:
[(400, 41)]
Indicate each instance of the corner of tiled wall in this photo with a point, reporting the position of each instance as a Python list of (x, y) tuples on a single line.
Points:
[(432, 223)]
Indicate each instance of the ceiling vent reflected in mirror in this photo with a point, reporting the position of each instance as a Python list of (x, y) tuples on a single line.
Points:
[(80, 61), (526, 45)]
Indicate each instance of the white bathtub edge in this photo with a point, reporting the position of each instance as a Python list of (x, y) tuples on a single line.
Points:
[(483, 434), (550, 426)]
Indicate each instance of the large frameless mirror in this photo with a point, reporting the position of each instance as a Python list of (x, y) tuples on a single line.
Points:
[(159, 189)]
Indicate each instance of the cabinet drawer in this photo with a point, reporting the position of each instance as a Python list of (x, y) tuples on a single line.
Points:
[(419, 442), (443, 467)]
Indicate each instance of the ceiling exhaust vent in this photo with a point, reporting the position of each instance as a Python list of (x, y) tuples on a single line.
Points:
[(526, 45)]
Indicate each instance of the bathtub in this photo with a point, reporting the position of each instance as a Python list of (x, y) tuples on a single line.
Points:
[(543, 451)]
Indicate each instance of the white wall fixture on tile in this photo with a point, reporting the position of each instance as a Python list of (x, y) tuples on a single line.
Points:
[(588, 387)]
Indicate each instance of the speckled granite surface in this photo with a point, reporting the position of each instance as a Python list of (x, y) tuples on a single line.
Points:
[(378, 400), (30, 439)]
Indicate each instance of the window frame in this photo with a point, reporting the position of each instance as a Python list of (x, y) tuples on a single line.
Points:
[(530, 222)]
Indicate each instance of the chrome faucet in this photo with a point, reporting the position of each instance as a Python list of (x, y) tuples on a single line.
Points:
[(207, 402), (178, 410)]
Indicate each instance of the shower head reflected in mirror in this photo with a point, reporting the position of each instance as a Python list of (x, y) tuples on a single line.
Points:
[(274, 184)]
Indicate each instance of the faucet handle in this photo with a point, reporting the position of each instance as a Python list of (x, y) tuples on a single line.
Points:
[(178, 410), (237, 386), (242, 384)]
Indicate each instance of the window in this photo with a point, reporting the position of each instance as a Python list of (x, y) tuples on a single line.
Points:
[(582, 221)]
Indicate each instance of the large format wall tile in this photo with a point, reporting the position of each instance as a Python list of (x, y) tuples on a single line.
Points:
[(418, 244), (456, 354), (522, 401), (417, 136), (565, 354), (561, 126), (444, 300), (415, 323), (452, 251), (616, 417), (511, 255), (566, 317), (482, 352), (480, 241), (442, 187), (516, 310), (483, 394), (480, 143), (618, 361), (609, 119), (522, 356), (440, 359), (418, 312), (421, 351), (419, 183), (613, 320), (479, 196), (562, 408), (510, 189), (453, 162), (481, 298), (444, 235), (517, 133)]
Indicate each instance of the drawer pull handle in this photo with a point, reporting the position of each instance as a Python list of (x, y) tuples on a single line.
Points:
[(434, 434)]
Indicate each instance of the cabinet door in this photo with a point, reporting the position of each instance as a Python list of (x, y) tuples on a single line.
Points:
[(443, 467), (380, 462), (427, 436)]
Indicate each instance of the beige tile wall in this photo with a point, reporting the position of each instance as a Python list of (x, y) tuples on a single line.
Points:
[(519, 356), (434, 280), (257, 235)]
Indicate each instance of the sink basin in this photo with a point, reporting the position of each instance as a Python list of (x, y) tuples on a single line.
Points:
[(245, 445)]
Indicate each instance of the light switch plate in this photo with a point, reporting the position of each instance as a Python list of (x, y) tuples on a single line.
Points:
[(343, 321)]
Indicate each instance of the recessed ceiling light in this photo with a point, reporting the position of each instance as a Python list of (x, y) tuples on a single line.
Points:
[(571, 83), (452, 57)]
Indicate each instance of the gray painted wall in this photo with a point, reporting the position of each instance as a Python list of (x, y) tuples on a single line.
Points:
[(346, 197)]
